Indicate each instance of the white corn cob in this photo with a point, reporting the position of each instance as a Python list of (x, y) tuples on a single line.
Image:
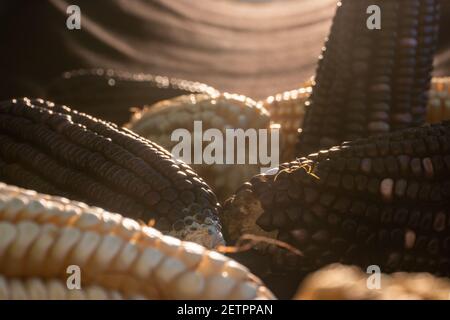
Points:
[(40, 236), (338, 282), (224, 111), (439, 103)]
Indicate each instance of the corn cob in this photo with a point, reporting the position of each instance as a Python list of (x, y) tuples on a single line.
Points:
[(371, 81), (50, 148), (40, 236), (110, 94), (439, 104), (338, 282), (287, 109), (54, 289), (220, 112), (383, 200)]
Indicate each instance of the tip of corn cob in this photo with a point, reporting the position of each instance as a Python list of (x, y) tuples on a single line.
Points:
[(241, 213)]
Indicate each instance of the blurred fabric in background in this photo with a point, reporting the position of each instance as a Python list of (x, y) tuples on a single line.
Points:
[(257, 48)]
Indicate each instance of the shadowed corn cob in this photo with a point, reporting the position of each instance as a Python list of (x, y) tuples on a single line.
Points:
[(288, 109), (338, 282), (110, 94), (225, 111), (383, 200), (439, 104), (372, 81), (40, 236), (50, 148)]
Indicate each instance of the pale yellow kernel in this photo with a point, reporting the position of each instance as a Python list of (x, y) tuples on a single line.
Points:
[(14, 207), (192, 254), (168, 270), (56, 290), (8, 234), (17, 290), (68, 238), (4, 289), (126, 257), (235, 270), (218, 287), (147, 262), (87, 221), (244, 291), (85, 248), (109, 248), (387, 189), (27, 232), (36, 289), (35, 207), (76, 295), (190, 285), (96, 293), (39, 250)]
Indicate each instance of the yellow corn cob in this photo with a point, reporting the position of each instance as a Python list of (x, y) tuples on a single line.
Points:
[(288, 110), (338, 282), (40, 236), (157, 122), (54, 289), (439, 103)]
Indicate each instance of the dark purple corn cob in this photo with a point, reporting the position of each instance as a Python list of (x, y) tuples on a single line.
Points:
[(110, 94), (372, 81), (383, 200), (53, 149)]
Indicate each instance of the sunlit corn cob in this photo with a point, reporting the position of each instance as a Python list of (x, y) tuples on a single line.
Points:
[(372, 81), (40, 236), (52, 149), (338, 282), (109, 94), (383, 200), (288, 109), (52, 289), (439, 104), (225, 111)]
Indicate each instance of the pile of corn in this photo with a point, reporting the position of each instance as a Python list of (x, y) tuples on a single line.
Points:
[(364, 181), (219, 112)]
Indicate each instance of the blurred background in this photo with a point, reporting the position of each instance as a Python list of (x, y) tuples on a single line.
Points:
[(253, 47)]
